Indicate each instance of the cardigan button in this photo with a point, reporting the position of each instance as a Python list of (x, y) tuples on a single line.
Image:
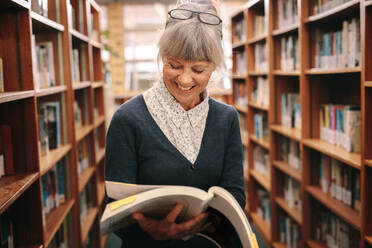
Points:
[(192, 167)]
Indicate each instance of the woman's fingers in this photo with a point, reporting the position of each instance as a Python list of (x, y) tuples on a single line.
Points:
[(173, 214)]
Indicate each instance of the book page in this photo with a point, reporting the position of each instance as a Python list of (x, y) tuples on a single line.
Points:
[(117, 190)]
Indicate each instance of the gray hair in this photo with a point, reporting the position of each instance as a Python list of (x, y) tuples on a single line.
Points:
[(193, 40)]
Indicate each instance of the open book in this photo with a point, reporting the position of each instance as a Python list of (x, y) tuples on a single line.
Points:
[(157, 201)]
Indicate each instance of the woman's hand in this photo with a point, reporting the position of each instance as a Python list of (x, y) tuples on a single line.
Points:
[(167, 228)]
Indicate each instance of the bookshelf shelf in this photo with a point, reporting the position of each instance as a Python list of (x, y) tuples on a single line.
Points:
[(81, 85), (257, 73), (316, 71), (353, 159), (95, 44), (258, 106), (77, 35), (262, 143), (41, 23), (292, 133), (238, 45), (316, 244), (16, 95), (286, 73), (368, 84), (287, 169), (14, 4), (55, 219), (369, 162), (254, 3), (51, 90), (99, 120), (13, 186), (88, 222), (48, 161), (100, 155), (368, 3), (257, 39), (335, 12), (369, 240), (348, 214), (96, 85), (262, 226), (293, 213), (85, 176), (279, 245), (262, 179), (238, 77), (83, 132), (286, 30), (241, 108)]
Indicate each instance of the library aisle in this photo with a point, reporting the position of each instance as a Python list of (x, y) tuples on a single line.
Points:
[(299, 75)]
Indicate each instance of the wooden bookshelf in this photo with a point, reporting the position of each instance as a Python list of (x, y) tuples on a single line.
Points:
[(22, 103), (262, 226), (257, 106), (315, 86), (369, 240)]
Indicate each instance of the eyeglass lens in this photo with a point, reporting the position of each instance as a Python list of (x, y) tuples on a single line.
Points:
[(187, 14)]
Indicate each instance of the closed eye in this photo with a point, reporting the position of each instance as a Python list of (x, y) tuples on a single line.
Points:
[(198, 71), (174, 66)]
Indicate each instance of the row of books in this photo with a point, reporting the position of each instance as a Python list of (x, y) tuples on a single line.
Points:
[(83, 155), (78, 115), (287, 13), (261, 161), (338, 48), (292, 193), (75, 66), (341, 125), (245, 161), (240, 63), (40, 6), (261, 92), (325, 5), (264, 206), (289, 50), (86, 201), (261, 126), (49, 126), (260, 57), (243, 125), (61, 238), (340, 181), (291, 110), (289, 232), (240, 94), (333, 231), (259, 27), (6, 230), (77, 22), (43, 64), (2, 89), (53, 189), (239, 31), (98, 136), (6, 151), (290, 152)]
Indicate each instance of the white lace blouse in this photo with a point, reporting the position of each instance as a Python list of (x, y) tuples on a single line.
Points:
[(184, 129)]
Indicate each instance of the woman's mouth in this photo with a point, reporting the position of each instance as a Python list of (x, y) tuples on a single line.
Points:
[(185, 88)]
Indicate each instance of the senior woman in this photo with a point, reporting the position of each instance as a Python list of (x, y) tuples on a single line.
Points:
[(175, 133)]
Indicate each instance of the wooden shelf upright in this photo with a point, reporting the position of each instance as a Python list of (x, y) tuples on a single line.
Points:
[(50, 58), (306, 75)]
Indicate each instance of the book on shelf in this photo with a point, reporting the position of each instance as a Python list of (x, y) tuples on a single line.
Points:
[(324, 5), (6, 230), (240, 63), (245, 161), (261, 92), (261, 162), (287, 13), (292, 193), (261, 127), (61, 238), (86, 201), (340, 125), (75, 66), (289, 58), (333, 231), (6, 151), (259, 27), (49, 126), (243, 125), (241, 95), (1, 75), (78, 115), (290, 152), (239, 31), (264, 205), (44, 58), (40, 7), (52, 189), (291, 110), (260, 57), (340, 181), (83, 156), (157, 200), (338, 48), (289, 232)]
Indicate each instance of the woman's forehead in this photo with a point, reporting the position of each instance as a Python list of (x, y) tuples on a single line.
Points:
[(191, 62)]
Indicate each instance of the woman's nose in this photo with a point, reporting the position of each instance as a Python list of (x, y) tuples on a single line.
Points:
[(185, 77)]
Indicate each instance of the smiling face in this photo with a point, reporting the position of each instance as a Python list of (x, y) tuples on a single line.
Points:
[(186, 80)]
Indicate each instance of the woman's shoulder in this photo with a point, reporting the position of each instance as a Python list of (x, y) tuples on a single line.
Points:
[(221, 107), (131, 109)]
